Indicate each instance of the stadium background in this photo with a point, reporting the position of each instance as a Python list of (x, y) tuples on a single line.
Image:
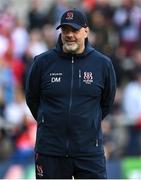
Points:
[(27, 28)]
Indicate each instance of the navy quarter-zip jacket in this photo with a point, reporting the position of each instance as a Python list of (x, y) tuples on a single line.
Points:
[(69, 95)]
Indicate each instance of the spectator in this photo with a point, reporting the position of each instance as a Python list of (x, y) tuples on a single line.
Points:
[(36, 17), (20, 38), (132, 108), (36, 44)]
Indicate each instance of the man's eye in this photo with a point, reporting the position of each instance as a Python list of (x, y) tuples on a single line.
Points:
[(64, 30), (67, 31), (75, 30)]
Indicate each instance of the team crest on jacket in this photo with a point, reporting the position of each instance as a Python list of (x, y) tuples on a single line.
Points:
[(88, 77)]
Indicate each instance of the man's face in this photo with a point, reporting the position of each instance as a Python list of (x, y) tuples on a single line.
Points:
[(73, 40)]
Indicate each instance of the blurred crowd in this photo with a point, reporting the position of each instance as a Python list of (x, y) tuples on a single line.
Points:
[(114, 30)]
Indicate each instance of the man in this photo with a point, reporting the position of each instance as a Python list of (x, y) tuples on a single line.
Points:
[(70, 89)]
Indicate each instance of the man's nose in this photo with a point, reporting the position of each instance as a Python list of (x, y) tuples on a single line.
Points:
[(69, 33)]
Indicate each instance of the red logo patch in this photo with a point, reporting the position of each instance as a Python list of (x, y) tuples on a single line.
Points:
[(69, 16), (88, 75), (88, 78)]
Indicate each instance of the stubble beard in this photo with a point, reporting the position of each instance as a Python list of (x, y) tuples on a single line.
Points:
[(71, 48)]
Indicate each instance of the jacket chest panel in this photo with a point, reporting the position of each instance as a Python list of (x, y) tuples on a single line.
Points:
[(60, 80), (55, 79)]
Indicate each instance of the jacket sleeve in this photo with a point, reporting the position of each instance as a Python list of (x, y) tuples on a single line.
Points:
[(109, 91), (33, 88)]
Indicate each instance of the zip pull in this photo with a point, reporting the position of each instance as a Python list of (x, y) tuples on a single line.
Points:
[(79, 78), (72, 60), (97, 143), (79, 73), (43, 119)]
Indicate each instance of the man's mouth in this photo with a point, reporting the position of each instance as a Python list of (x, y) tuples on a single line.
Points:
[(70, 42)]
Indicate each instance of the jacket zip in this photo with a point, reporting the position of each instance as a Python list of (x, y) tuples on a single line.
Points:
[(96, 140), (72, 71), (79, 78), (96, 143), (70, 102)]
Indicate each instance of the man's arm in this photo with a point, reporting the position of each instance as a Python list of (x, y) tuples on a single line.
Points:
[(109, 90), (33, 88)]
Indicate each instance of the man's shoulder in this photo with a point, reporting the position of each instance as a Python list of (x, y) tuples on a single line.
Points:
[(102, 57), (45, 55)]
